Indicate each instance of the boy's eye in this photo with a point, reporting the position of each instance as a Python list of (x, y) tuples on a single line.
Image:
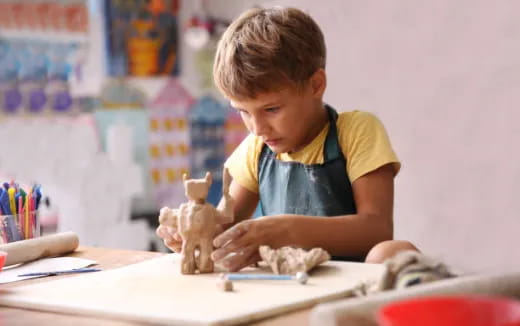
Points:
[(272, 110)]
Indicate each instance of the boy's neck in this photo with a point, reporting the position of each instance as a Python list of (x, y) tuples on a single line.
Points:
[(322, 118)]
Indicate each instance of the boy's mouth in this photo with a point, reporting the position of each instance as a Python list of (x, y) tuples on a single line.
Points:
[(272, 142)]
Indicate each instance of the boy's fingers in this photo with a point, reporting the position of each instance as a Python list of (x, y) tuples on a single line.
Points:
[(223, 252), (230, 247), (173, 234), (219, 229), (231, 234), (163, 233), (176, 246), (173, 245), (171, 230), (255, 257), (240, 258)]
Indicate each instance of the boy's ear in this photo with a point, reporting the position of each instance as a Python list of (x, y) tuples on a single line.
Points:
[(318, 83)]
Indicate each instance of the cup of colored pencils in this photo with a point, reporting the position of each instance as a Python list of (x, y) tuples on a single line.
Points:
[(19, 218)]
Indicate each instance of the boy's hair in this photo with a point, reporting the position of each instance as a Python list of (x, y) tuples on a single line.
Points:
[(265, 50)]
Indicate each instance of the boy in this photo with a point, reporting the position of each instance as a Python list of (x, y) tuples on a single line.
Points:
[(322, 179)]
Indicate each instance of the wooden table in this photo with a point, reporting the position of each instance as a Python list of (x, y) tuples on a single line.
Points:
[(108, 259)]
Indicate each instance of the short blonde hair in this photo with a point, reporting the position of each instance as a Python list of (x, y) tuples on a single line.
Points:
[(264, 50)]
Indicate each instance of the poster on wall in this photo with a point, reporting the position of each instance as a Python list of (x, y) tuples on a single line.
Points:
[(169, 143), (142, 37), (42, 44)]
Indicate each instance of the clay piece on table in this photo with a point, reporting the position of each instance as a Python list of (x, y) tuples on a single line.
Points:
[(289, 260), (224, 284), (196, 222), (408, 268)]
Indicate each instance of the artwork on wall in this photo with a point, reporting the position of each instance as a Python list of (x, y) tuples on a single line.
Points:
[(169, 143), (42, 44), (207, 119), (142, 37)]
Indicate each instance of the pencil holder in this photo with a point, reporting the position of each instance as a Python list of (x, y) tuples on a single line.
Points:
[(19, 226)]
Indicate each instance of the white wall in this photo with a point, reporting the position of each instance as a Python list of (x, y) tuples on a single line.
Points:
[(442, 77)]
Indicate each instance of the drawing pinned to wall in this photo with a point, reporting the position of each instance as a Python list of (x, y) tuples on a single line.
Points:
[(34, 15), (207, 119), (35, 74), (10, 96), (41, 47), (123, 104), (142, 37), (169, 143)]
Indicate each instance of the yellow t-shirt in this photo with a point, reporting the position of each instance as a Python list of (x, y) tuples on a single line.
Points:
[(362, 138)]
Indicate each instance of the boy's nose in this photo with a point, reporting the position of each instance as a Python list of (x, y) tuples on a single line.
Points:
[(259, 128)]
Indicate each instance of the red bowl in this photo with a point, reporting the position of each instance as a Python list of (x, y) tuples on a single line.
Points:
[(3, 256), (451, 311)]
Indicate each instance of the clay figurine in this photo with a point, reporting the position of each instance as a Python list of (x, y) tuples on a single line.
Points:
[(196, 222)]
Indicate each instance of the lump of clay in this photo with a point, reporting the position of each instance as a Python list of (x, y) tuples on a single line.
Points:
[(289, 260), (408, 268)]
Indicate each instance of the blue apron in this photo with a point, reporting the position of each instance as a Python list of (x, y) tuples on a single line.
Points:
[(307, 189)]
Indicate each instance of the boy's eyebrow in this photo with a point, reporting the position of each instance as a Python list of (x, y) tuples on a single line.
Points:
[(270, 104), (267, 105)]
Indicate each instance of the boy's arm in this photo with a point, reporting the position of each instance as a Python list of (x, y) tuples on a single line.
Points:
[(227, 202), (244, 202), (350, 235), (346, 235)]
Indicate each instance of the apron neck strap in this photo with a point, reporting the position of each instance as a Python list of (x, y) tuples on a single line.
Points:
[(331, 150)]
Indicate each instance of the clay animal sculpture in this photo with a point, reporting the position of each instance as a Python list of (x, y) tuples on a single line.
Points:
[(196, 221)]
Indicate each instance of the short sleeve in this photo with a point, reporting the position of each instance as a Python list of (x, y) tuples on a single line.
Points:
[(243, 163), (367, 144)]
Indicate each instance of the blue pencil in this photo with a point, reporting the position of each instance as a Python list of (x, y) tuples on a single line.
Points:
[(70, 271)]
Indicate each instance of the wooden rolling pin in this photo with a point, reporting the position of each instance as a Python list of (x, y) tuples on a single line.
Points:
[(45, 246)]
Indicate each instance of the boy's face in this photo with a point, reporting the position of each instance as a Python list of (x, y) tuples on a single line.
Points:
[(285, 120)]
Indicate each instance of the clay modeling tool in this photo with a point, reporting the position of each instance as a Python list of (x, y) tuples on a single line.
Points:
[(300, 277), (225, 280)]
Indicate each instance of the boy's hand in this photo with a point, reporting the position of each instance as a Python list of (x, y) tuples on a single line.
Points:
[(171, 237), (238, 246), (173, 240)]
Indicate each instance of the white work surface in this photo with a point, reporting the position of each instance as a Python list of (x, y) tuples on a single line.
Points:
[(154, 291)]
